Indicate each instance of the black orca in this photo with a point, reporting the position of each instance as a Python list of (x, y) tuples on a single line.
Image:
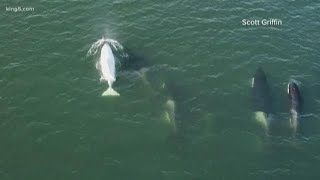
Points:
[(261, 97), (295, 101), (133, 60)]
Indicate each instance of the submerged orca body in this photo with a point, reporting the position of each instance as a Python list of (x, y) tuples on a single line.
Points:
[(295, 101), (175, 113), (134, 61), (261, 97)]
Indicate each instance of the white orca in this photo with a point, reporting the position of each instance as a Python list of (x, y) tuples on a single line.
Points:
[(106, 64), (107, 67)]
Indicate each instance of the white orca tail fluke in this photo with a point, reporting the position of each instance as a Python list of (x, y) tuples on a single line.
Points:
[(110, 92)]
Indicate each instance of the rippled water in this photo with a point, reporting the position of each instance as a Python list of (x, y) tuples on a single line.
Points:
[(55, 124)]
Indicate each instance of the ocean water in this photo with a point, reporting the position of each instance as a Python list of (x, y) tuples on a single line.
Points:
[(54, 123)]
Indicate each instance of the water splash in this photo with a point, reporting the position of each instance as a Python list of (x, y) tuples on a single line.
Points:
[(96, 46)]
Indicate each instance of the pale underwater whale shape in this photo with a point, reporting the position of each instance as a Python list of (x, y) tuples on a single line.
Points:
[(261, 98), (177, 114), (107, 68)]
